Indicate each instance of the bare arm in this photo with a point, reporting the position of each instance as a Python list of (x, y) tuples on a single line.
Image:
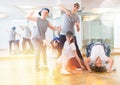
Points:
[(17, 34), (8, 30), (64, 9), (78, 59), (30, 17), (110, 61), (53, 27), (22, 27), (77, 24), (87, 60)]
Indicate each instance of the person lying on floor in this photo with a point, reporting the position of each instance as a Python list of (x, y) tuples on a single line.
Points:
[(98, 58)]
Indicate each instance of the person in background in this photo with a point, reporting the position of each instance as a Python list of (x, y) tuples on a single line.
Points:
[(70, 19), (17, 46), (26, 39), (38, 36), (12, 39)]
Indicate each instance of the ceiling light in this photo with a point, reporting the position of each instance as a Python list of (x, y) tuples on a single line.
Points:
[(27, 7), (3, 15), (90, 17)]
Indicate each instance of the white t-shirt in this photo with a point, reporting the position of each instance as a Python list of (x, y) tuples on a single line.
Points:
[(67, 53), (96, 51), (68, 49)]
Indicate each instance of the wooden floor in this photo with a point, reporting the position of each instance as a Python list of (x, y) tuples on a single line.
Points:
[(19, 70)]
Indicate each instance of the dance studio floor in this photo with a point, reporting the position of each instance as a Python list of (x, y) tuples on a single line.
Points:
[(19, 70)]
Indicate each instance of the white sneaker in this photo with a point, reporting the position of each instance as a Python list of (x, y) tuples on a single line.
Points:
[(78, 69), (64, 71)]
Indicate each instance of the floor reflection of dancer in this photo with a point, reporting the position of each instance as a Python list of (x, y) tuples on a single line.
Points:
[(26, 39)]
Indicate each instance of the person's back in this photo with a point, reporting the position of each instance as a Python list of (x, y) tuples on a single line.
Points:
[(97, 58), (12, 34), (98, 50), (91, 45), (27, 32)]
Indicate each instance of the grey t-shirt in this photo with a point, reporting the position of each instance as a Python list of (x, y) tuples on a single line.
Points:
[(68, 23), (41, 28), (12, 34), (27, 32)]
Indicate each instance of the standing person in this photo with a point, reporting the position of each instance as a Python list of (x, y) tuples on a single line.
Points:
[(69, 52), (38, 36), (26, 38), (70, 19), (12, 39)]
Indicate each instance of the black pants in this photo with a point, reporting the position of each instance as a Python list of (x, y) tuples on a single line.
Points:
[(62, 41)]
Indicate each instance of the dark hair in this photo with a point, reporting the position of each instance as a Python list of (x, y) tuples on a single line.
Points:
[(70, 34), (98, 69), (42, 10), (13, 28), (57, 47), (57, 40), (77, 4)]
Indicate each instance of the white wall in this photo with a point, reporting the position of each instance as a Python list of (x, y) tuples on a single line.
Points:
[(4, 25), (117, 32)]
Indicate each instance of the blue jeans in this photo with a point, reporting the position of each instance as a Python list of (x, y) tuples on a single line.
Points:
[(38, 50)]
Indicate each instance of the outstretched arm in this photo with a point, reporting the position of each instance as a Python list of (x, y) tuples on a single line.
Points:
[(110, 61), (17, 34), (30, 17), (87, 64), (53, 27), (78, 59), (64, 9)]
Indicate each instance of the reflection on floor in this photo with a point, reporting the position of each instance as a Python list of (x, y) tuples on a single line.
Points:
[(19, 70)]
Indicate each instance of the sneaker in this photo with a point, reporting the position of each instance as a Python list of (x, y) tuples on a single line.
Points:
[(78, 69), (64, 71)]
